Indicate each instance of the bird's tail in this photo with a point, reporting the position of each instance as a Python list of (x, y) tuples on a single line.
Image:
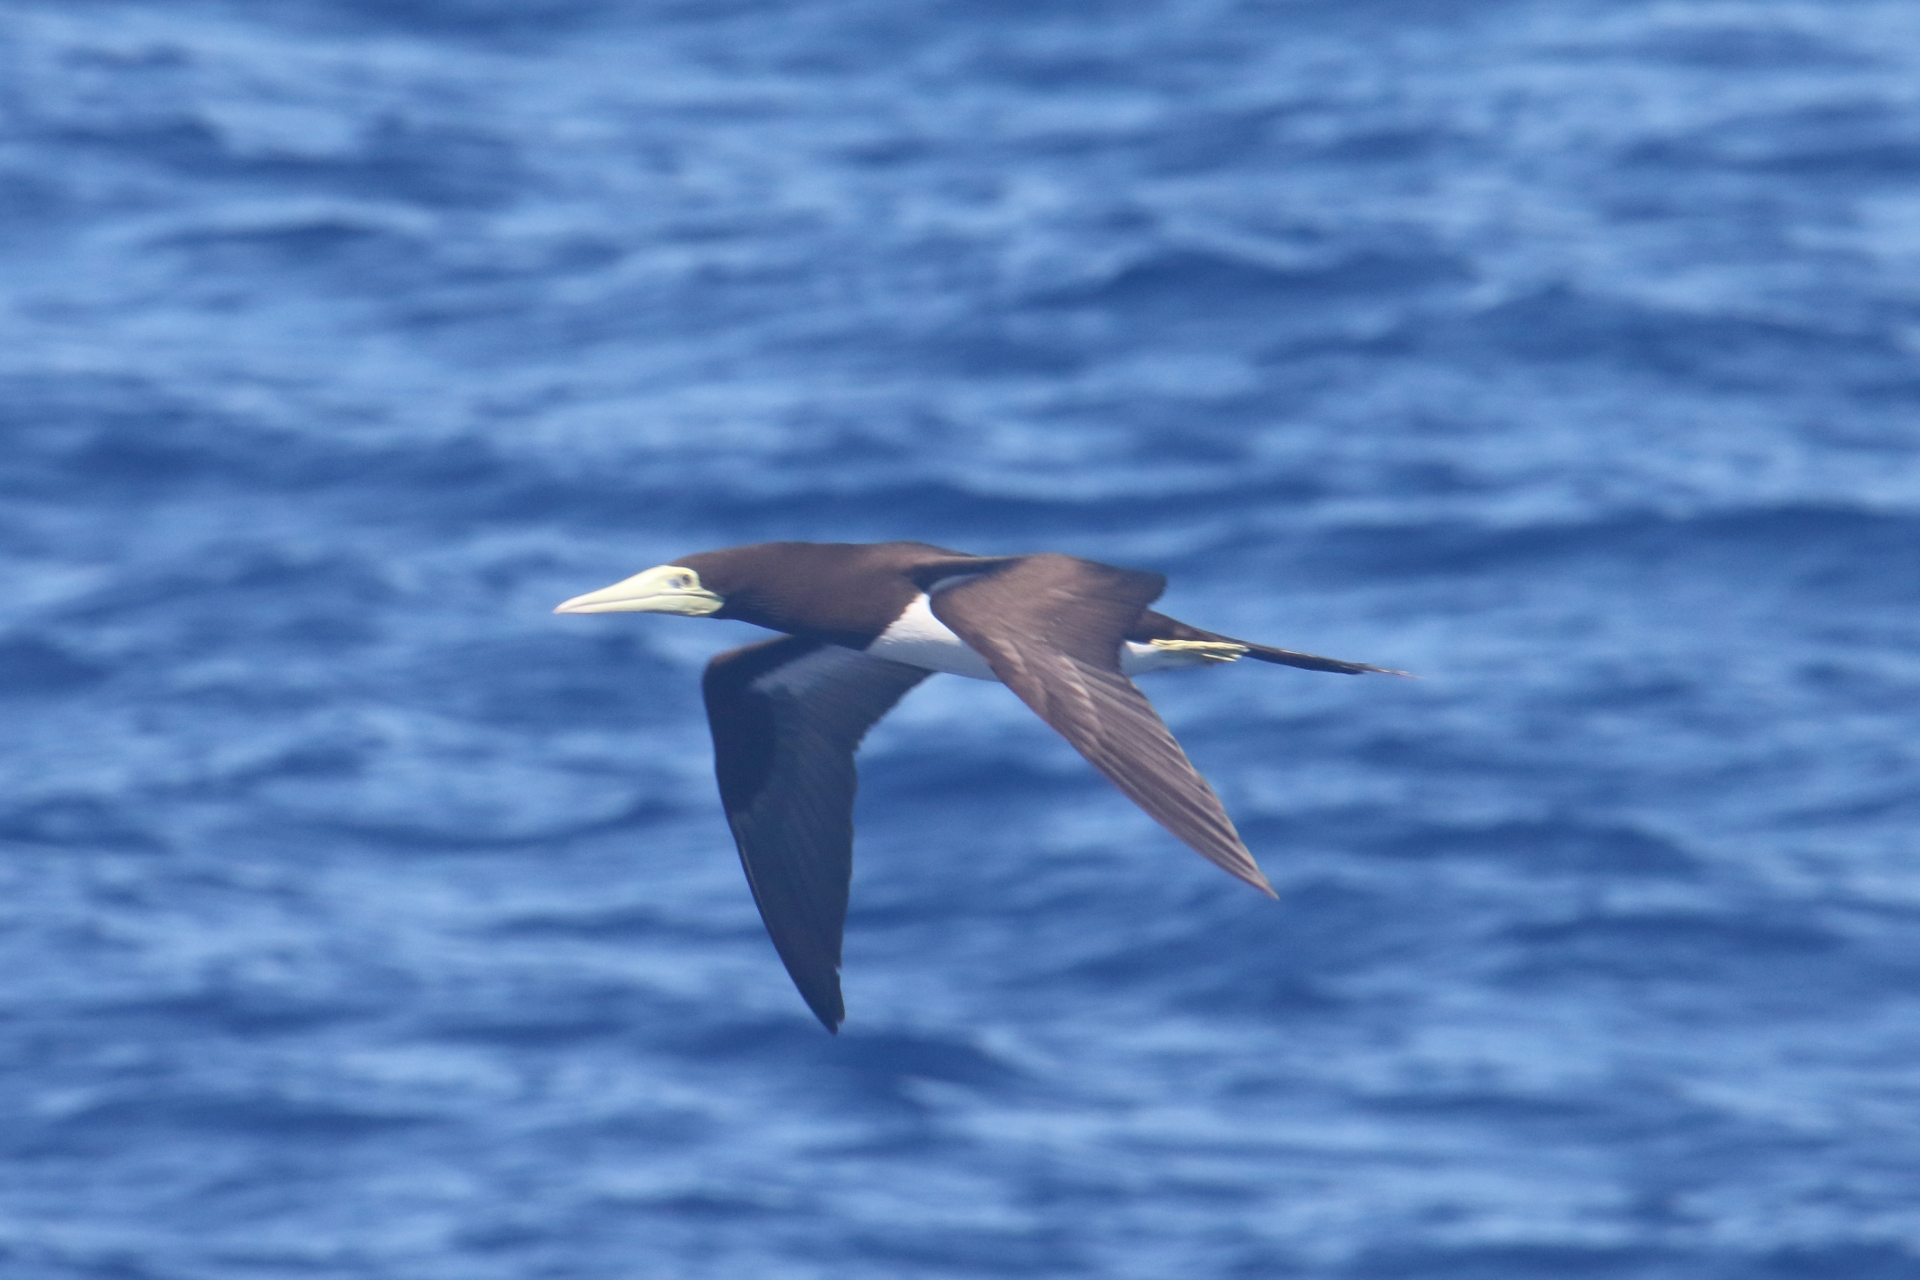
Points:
[(1314, 662), (1171, 633)]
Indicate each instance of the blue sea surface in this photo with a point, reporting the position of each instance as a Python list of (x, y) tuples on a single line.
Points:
[(362, 920)]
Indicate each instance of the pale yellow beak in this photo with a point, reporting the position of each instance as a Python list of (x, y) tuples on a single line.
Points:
[(667, 589)]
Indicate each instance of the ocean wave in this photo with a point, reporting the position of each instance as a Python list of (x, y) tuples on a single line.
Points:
[(364, 918)]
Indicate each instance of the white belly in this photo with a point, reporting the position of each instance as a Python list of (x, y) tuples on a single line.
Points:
[(919, 639)]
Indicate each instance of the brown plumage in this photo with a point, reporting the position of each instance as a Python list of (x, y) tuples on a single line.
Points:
[(863, 624)]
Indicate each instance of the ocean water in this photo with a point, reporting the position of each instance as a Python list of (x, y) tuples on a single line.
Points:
[(361, 919)]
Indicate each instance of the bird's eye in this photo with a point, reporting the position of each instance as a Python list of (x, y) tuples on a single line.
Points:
[(681, 581)]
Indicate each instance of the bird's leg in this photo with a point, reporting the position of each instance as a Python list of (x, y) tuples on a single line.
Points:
[(1205, 650)]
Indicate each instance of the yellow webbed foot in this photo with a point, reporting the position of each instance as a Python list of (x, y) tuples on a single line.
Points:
[(1205, 650)]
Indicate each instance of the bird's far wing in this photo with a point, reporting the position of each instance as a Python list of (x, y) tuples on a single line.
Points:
[(1051, 626), (787, 716)]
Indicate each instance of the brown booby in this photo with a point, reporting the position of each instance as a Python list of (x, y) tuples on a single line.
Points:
[(863, 624)]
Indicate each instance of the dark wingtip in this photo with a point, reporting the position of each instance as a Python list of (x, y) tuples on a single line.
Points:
[(828, 1007)]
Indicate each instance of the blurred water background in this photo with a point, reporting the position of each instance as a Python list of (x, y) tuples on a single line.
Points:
[(361, 919)]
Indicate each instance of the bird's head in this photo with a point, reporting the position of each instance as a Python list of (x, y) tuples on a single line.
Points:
[(667, 588), (842, 593)]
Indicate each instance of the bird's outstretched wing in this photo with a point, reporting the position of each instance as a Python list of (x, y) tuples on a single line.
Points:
[(1051, 626), (787, 716)]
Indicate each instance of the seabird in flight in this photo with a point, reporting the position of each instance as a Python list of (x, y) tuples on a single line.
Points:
[(863, 624)]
